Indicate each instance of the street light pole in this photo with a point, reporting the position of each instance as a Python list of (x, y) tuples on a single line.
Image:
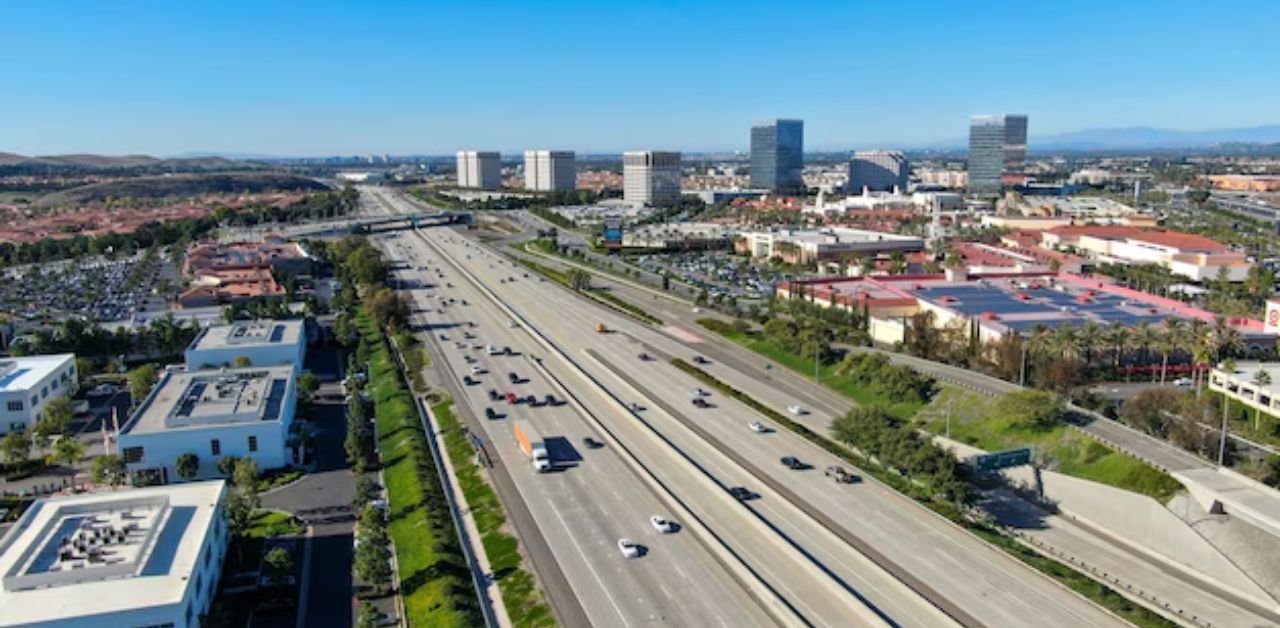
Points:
[(1222, 442)]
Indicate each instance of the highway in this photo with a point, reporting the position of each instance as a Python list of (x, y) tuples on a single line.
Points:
[(971, 581)]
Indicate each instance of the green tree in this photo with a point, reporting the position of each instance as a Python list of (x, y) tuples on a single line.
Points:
[(69, 450), (279, 563), (366, 490), (108, 469), (245, 476), (1261, 379), (227, 466), (373, 555), (16, 448), (56, 418), (241, 361), (187, 466), (141, 380), (370, 616), (308, 384), (1149, 410)]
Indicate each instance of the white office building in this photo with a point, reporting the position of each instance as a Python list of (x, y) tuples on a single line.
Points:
[(28, 384), (550, 170), (878, 171), (479, 169), (651, 177), (132, 558), (263, 343), (246, 413)]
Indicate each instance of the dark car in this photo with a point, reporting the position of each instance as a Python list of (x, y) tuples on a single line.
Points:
[(699, 402), (591, 443), (513, 378), (697, 359), (494, 395), (792, 462), (490, 413), (741, 493), (466, 379), (532, 400), (551, 400), (644, 357)]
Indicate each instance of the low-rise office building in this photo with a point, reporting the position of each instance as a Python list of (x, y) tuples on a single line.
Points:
[(263, 343), (1244, 385), (28, 384), (244, 412), (679, 237), (818, 245), (142, 557)]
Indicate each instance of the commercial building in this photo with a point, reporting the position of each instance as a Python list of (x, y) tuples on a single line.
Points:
[(28, 384), (1245, 182), (1192, 256), (242, 412), (1243, 385), (550, 170), (651, 177), (262, 343), (777, 155), (479, 169), (230, 272), (878, 171), (679, 236), (997, 145), (142, 557), (821, 245)]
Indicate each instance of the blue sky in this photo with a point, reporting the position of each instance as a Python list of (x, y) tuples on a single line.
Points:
[(319, 78)]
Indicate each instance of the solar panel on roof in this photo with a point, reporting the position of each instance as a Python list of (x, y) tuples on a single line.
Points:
[(10, 377), (275, 398), (277, 333)]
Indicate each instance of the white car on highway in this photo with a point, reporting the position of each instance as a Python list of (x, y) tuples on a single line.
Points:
[(662, 525), (698, 392), (797, 410), (629, 548), (757, 427)]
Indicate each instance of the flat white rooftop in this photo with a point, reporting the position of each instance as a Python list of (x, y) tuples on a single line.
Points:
[(248, 334), (198, 399), (23, 373), (105, 552)]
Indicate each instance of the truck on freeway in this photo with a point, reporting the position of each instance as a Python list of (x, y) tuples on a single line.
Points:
[(532, 445)]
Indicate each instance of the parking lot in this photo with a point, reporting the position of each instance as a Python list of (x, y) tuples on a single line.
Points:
[(720, 274), (97, 288)]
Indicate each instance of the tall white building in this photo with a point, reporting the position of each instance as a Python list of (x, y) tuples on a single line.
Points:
[(550, 170), (28, 384), (651, 177), (245, 412), (140, 557), (878, 171), (479, 169)]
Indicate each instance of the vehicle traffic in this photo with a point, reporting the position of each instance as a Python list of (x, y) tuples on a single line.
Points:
[(532, 445)]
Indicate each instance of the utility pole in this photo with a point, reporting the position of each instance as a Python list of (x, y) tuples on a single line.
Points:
[(1022, 370), (1222, 441)]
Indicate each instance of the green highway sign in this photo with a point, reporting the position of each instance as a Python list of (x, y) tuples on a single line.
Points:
[(1003, 459)]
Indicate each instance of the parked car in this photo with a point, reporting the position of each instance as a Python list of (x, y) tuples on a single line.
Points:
[(102, 390), (662, 525)]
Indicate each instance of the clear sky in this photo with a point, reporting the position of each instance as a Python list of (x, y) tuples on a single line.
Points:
[(432, 76)]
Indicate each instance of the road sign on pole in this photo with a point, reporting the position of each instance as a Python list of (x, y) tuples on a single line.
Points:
[(1002, 459)]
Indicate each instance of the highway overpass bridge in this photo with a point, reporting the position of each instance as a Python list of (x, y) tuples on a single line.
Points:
[(371, 224)]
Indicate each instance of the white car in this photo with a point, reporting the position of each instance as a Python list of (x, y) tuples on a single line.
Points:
[(1182, 382), (757, 427), (629, 548), (796, 410), (512, 324), (476, 369), (662, 525), (698, 392)]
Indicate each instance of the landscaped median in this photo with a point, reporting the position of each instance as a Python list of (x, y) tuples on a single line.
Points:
[(604, 298), (435, 581), (520, 595), (929, 495)]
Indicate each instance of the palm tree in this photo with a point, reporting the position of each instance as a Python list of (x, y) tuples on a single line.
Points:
[(1261, 379), (1169, 342), (1092, 336), (1117, 335), (1144, 335), (1066, 341), (1201, 354)]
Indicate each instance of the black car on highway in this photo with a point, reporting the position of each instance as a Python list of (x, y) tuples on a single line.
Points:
[(741, 493)]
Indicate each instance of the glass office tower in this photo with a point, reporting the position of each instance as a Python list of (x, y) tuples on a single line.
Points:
[(997, 145), (777, 155)]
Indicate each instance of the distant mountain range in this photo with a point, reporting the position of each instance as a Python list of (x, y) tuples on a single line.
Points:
[(1132, 137), (144, 162)]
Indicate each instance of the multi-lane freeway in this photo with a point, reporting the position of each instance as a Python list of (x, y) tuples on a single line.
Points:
[(804, 551)]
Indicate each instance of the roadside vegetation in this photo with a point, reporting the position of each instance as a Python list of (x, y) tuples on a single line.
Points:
[(580, 281), (520, 595), (434, 579)]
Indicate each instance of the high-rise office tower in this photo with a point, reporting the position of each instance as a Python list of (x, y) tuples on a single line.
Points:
[(479, 169), (777, 155), (997, 144), (549, 170), (878, 170), (651, 177)]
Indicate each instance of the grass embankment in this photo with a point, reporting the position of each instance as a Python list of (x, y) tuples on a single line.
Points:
[(1098, 593), (415, 359), (520, 594), (862, 395), (1061, 448), (435, 581), (599, 296)]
